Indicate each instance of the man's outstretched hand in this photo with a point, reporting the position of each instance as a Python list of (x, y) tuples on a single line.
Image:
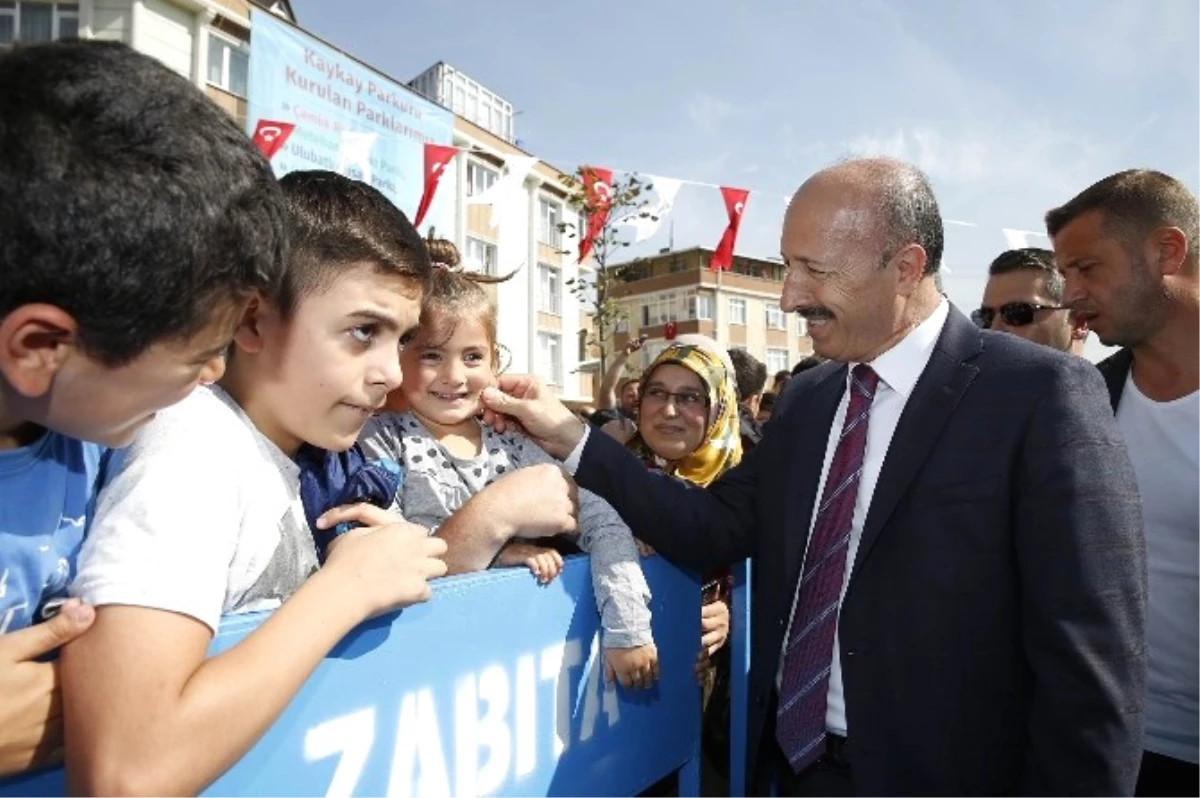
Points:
[(521, 399)]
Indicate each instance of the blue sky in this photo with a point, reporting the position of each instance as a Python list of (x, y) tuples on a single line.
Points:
[(1011, 106)]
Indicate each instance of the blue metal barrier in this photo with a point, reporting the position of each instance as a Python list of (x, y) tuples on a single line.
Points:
[(739, 678), (494, 687)]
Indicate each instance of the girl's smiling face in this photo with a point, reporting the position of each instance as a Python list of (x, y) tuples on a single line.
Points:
[(446, 367)]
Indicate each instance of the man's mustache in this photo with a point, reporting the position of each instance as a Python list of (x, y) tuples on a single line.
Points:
[(814, 313)]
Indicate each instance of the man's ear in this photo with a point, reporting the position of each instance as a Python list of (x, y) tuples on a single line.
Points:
[(35, 341), (910, 268)]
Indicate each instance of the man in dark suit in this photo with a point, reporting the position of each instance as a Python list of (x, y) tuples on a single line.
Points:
[(1127, 249), (951, 570)]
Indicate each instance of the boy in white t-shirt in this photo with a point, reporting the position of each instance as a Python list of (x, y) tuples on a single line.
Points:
[(201, 515)]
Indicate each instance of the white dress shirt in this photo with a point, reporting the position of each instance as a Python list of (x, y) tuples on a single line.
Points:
[(898, 368)]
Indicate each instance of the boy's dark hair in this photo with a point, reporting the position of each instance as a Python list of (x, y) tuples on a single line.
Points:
[(1135, 203), (127, 198), (806, 363), (337, 222), (750, 375), (1031, 259)]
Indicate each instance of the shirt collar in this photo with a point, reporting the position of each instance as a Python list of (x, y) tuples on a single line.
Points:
[(900, 367)]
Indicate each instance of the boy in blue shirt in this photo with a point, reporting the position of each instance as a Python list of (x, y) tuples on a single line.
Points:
[(137, 220)]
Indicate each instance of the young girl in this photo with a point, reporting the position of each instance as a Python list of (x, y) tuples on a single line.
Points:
[(447, 455)]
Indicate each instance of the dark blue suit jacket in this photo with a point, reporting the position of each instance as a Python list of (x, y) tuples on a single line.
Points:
[(992, 633)]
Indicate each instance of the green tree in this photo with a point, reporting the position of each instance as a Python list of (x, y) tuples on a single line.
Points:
[(595, 291)]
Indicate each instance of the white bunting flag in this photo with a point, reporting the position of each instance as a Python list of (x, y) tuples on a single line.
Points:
[(647, 221), (506, 191)]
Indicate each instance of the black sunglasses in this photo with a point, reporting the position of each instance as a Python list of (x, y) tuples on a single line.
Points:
[(1015, 314)]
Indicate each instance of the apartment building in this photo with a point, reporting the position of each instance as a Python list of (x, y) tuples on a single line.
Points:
[(206, 41), (739, 308), (467, 98), (210, 42)]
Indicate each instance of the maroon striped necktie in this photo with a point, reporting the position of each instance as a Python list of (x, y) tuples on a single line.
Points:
[(800, 723)]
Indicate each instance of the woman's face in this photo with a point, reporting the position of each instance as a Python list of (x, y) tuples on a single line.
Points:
[(674, 412)]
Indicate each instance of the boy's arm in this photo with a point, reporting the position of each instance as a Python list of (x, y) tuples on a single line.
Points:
[(148, 714), (144, 710)]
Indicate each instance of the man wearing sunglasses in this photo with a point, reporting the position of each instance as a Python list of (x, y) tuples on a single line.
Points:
[(1024, 296)]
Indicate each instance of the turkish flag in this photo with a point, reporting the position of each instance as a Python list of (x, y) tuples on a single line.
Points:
[(735, 205), (437, 158), (597, 197), (271, 136), (670, 329)]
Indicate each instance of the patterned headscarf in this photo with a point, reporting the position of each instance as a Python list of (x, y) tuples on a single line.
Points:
[(721, 448)]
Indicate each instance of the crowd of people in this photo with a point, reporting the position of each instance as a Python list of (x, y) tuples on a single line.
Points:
[(975, 552)]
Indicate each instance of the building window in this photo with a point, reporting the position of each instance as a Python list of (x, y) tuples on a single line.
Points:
[(777, 360), (549, 218), (549, 290), (549, 365), (737, 311), (35, 23), (700, 306), (661, 309), (481, 256), (479, 178), (775, 318), (228, 64), (801, 326)]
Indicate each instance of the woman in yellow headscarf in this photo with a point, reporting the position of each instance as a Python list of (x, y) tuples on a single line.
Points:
[(688, 419), (688, 427)]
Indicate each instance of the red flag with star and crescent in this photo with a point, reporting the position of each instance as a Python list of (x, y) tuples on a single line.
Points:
[(437, 158), (735, 205), (597, 192), (270, 136)]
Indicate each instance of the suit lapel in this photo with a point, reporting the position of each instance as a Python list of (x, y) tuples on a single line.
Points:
[(815, 420), (932, 403)]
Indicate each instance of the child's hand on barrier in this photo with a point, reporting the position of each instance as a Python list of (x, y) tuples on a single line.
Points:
[(544, 563), (387, 567), (714, 631), (635, 668)]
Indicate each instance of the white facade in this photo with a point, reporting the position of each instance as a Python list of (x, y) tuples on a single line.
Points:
[(176, 32)]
